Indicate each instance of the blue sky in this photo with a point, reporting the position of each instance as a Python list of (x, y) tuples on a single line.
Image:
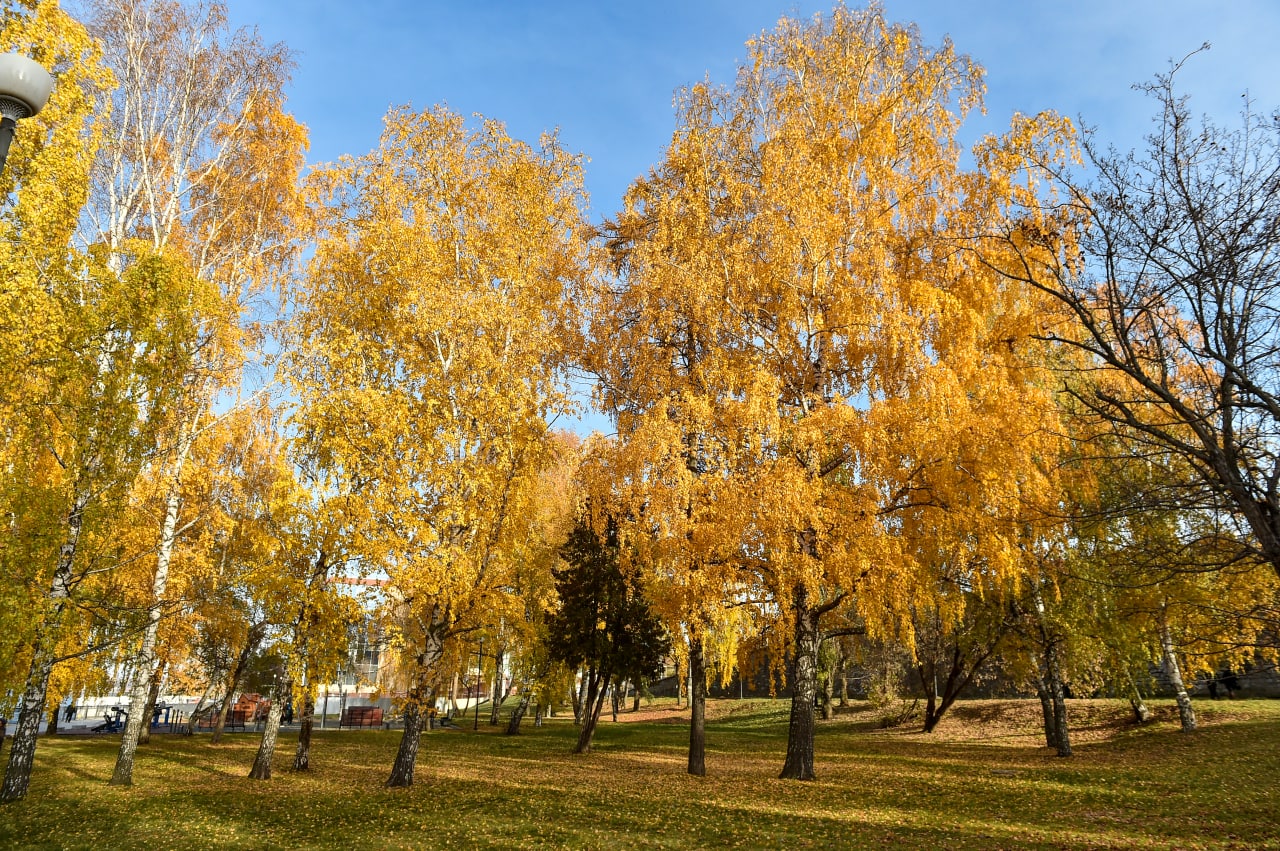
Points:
[(604, 73)]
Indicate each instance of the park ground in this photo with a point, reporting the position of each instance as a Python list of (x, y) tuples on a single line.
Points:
[(982, 780)]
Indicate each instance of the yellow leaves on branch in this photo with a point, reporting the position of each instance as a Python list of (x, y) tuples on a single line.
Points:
[(431, 342), (807, 355)]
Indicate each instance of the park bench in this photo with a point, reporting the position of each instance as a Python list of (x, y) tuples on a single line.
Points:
[(235, 721), (361, 716)]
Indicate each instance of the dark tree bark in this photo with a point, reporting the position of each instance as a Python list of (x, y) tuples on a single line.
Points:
[(697, 708), (579, 698), (17, 775), (800, 731), (420, 698), (1049, 639), (407, 753), (267, 747), (1046, 712), (252, 639), (679, 683), (149, 709), (1057, 696), (51, 728), (597, 688), (960, 673), (517, 714)]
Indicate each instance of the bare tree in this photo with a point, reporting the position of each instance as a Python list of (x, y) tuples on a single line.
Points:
[(1168, 262)]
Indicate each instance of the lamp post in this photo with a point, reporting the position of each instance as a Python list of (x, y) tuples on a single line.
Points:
[(24, 90), (479, 676)]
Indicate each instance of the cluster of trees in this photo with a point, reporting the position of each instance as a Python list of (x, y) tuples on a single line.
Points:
[(875, 396)]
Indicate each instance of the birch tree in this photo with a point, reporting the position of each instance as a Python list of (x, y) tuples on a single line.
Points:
[(100, 351), (430, 361), (202, 162), (852, 378)]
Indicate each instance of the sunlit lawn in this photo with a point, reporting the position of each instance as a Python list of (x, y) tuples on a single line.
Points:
[(980, 781)]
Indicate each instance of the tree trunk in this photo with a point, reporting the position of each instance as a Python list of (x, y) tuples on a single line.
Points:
[(302, 753), (1057, 696), (190, 726), (1046, 712), (597, 688), (267, 747), (51, 729), (579, 698), (220, 717), (826, 691), (799, 763), (635, 700), (679, 684), (698, 708), (407, 753), (1141, 714), (252, 638), (17, 775), (499, 693), (415, 709), (1186, 712), (517, 714), (149, 710), (954, 685), (844, 679), (302, 757), (1052, 672), (926, 671), (145, 660)]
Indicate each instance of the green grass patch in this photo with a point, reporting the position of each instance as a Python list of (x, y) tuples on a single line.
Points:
[(982, 780)]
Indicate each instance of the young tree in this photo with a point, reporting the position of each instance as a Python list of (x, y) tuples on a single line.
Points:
[(604, 622), (436, 310)]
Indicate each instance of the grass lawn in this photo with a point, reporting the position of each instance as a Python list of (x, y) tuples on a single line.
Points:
[(980, 781)]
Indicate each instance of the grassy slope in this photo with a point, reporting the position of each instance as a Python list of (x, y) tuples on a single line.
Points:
[(980, 781)]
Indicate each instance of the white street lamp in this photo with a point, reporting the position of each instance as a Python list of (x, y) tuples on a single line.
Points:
[(24, 90)]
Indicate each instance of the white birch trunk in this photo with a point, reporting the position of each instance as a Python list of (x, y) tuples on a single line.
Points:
[(1186, 712), (145, 661)]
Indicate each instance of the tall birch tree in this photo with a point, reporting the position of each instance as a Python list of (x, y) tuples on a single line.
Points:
[(430, 362), (202, 162), (852, 378)]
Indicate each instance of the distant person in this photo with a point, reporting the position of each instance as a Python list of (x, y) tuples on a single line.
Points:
[(69, 714)]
